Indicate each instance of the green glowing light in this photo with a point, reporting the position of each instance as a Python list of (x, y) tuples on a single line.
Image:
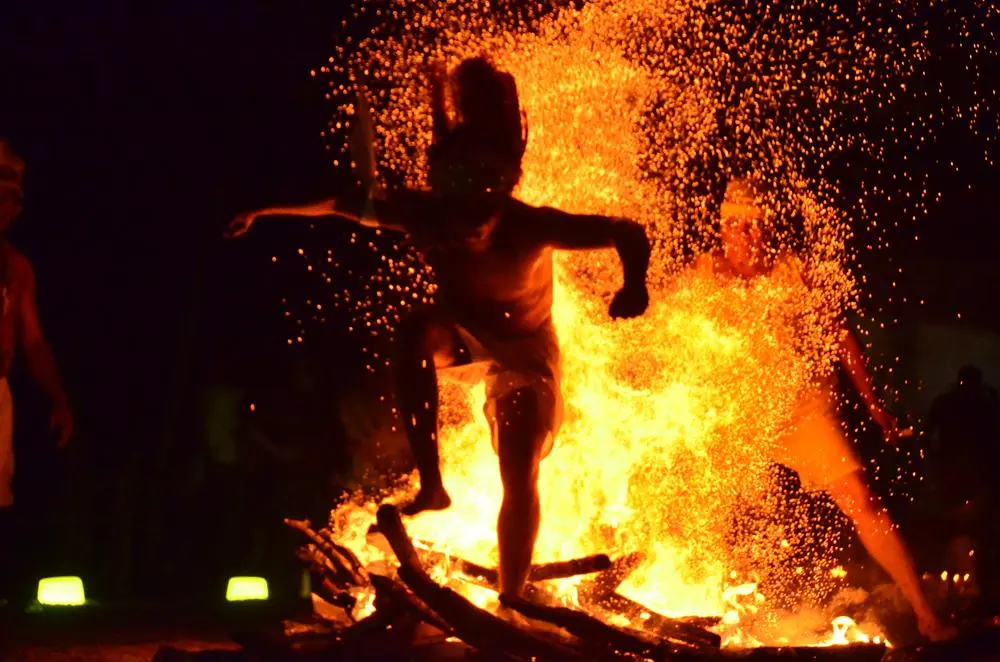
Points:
[(62, 591), (246, 588)]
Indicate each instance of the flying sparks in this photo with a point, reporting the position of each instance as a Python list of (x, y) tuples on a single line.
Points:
[(643, 109)]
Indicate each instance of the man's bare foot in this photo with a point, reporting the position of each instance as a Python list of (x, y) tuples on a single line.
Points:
[(537, 627), (431, 499), (934, 629)]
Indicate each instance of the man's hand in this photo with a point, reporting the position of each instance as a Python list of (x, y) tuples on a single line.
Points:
[(240, 225), (630, 301), (61, 423), (888, 423)]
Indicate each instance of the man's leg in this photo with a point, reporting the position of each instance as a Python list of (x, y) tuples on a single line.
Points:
[(423, 344), (879, 537), (521, 429)]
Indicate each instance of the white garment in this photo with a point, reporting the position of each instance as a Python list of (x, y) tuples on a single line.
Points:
[(509, 364), (6, 444)]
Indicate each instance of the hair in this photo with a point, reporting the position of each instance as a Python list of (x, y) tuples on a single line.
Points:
[(482, 154), (490, 108)]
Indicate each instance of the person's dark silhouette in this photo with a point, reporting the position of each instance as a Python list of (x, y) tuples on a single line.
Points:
[(963, 430), (963, 427)]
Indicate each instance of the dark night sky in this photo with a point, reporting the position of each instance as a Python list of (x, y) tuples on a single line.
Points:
[(144, 128)]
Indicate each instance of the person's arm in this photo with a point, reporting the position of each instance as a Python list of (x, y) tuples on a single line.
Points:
[(586, 232), (356, 207), (853, 361), (41, 362), (439, 114)]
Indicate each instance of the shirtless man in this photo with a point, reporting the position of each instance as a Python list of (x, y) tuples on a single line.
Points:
[(19, 325), (492, 257), (816, 448)]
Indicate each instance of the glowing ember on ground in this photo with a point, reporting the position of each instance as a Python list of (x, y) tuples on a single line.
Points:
[(669, 417)]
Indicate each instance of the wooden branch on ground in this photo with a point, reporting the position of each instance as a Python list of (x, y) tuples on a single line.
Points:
[(331, 550), (538, 573), (701, 621), (356, 563), (559, 569), (475, 626), (670, 628), (398, 593), (591, 629), (321, 563), (373, 624)]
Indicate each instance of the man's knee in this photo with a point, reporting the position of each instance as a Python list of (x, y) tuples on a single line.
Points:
[(521, 433)]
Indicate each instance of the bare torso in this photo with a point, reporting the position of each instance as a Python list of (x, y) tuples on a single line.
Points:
[(506, 288)]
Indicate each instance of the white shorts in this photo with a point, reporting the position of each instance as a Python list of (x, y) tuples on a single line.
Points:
[(6, 444), (816, 447), (508, 364)]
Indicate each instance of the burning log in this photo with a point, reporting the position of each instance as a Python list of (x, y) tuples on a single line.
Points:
[(475, 626), (398, 594), (700, 621), (677, 630), (340, 556), (591, 629), (560, 569), (490, 577)]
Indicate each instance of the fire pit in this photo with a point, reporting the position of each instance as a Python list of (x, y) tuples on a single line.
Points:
[(405, 607)]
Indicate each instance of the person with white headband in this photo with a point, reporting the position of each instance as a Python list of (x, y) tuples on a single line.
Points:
[(814, 446)]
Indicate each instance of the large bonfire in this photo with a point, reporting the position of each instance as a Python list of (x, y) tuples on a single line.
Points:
[(632, 106)]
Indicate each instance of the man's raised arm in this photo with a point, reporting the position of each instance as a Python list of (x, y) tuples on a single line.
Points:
[(586, 232)]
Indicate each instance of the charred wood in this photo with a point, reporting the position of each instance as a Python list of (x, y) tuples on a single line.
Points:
[(591, 629), (475, 626)]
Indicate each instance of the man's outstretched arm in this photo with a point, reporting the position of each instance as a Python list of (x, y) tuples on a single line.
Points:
[(585, 232), (354, 206), (40, 360)]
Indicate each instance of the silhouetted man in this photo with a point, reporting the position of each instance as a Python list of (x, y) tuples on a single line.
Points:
[(492, 258)]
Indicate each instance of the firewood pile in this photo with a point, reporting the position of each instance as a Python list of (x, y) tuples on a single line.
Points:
[(409, 605)]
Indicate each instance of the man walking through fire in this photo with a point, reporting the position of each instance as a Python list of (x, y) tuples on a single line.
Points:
[(492, 258), (815, 446)]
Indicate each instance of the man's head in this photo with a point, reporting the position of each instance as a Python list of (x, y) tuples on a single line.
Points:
[(469, 222), (741, 224), (11, 194)]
